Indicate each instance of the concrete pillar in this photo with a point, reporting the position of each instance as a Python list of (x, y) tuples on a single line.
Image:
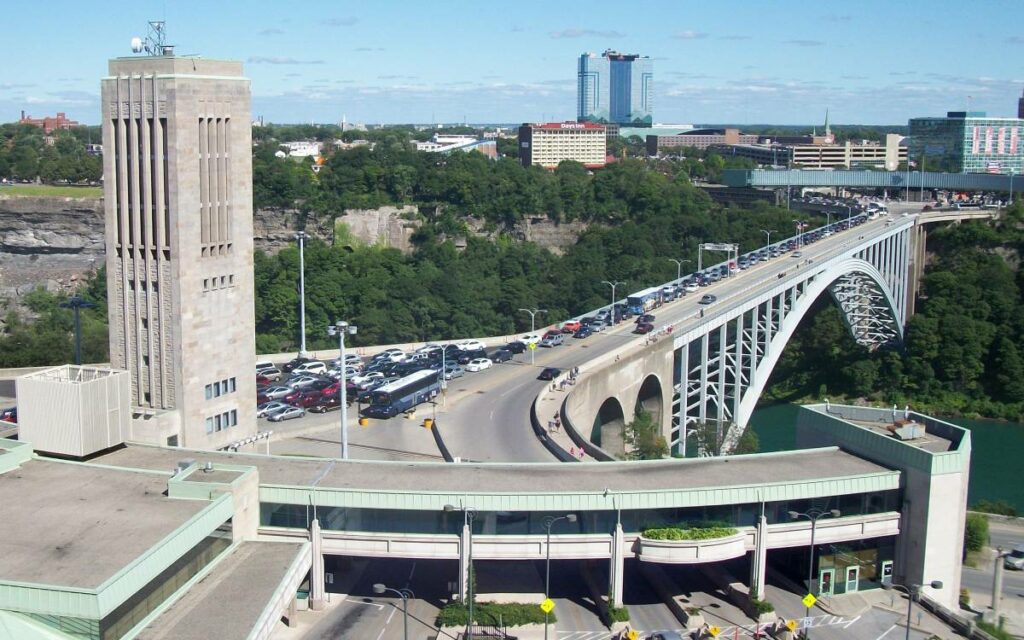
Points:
[(293, 613), (759, 559), (618, 566), (316, 571), (464, 563)]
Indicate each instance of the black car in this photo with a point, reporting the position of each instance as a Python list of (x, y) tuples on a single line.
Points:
[(708, 299), (550, 373), (500, 355), (516, 347), (466, 356), (583, 332), (647, 317)]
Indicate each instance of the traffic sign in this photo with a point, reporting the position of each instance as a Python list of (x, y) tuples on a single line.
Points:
[(547, 605), (809, 600), (632, 635), (714, 631), (532, 346), (791, 625)]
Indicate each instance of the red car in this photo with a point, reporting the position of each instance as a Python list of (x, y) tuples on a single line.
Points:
[(262, 380), (643, 327), (308, 399), (571, 326)]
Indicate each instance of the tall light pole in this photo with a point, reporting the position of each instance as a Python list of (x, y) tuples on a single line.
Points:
[(468, 513), (813, 515), (76, 303), (340, 328), (768, 232), (910, 591), (611, 307), (679, 268), (533, 327), (549, 522), (301, 237), (405, 594)]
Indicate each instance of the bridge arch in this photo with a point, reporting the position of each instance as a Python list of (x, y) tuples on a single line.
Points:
[(609, 429), (651, 398)]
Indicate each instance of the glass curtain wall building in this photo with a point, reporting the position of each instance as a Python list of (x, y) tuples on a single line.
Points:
[(968, 142), (615, 88)]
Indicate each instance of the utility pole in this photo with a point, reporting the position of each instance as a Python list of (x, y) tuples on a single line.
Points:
[(301, 237), (679, 268), (533, 328)]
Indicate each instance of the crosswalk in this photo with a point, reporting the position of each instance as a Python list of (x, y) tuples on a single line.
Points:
[(726, 632)]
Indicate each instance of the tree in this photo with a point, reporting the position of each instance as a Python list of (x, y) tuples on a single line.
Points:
[(643, 434), (975, 533), (748, 443), (708, 437)]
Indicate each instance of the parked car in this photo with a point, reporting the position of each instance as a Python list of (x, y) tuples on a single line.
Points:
[(286, 414), (268, 370), (552, 340), (327, 403), (530, 338), (549, 373), (708, 298), (643, 327), (309, 398), (277, 392), (571, 326), (313, 366), (470, 345), (266, 408), (517, 346), (478, 364), (364, 378), (9, 415), (302, 382), (467, 356), (262, 380), (500, 355), (584, 332), (294, 362)]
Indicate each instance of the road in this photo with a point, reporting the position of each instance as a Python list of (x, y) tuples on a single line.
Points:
[(485, 415), (979, 581)]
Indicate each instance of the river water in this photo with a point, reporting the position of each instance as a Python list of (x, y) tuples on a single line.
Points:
[(996, 457)]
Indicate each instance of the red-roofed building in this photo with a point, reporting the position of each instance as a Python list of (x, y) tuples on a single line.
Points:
[(549, 143), (48, 124)]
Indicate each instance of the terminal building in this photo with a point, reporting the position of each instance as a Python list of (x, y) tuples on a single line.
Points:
[(149, 541), (968, 142), (550, 143)]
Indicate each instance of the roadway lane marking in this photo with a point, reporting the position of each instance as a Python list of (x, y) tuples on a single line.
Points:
[(847, 625), (372, 604), (886, 632)]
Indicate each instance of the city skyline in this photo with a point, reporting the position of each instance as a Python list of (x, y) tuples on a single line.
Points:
[(731, 63)]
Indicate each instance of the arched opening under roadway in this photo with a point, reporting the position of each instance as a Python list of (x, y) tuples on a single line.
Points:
[(609, 430), (650, 400)]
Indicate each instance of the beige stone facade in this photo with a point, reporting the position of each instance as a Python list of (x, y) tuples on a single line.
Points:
[(178, 199)]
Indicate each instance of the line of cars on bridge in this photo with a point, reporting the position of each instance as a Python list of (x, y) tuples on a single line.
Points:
[(390, 382)]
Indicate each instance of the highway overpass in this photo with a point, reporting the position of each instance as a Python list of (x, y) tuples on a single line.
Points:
[(892, 180)]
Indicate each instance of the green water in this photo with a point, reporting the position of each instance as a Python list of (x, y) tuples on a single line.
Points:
[(995, 459)]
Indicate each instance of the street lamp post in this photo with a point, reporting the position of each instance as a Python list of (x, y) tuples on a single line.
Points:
[(76, 303), (468, 513), (910, 591), (611, 307), (301, 237), (813, 515), (340, 328), (549, 521), (405, 594), (533, 326), (679, 268), (799, 231), (768, 232)]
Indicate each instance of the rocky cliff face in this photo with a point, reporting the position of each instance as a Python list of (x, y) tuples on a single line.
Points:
[(48, 242)]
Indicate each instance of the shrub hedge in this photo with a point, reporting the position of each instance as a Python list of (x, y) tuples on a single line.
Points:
[(691, 533), (513, 614)]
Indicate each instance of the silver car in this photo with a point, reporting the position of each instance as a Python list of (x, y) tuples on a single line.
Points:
[(288, 413), (277, 392), (263, 410)]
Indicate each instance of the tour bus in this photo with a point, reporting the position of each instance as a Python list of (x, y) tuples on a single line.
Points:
[(643, 301), (403, 394)]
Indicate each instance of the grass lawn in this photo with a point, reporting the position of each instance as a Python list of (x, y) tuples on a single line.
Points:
[(51, 190)]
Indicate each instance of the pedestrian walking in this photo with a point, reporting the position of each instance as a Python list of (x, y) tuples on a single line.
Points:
[(551, 426)]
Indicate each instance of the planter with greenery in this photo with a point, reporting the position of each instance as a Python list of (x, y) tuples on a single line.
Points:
[(515, 614)]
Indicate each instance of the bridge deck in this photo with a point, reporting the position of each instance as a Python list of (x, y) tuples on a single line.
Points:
[(794, 466)]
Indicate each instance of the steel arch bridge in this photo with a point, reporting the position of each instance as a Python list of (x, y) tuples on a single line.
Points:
[(721, 366)]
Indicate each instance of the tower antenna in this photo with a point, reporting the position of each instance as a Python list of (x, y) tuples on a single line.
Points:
[(155, 43)]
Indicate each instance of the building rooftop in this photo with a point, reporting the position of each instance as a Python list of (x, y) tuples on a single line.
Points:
[(497, 478), (77, 525), (227, 603)]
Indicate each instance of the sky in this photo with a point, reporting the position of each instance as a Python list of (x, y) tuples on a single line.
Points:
[(484, 61)]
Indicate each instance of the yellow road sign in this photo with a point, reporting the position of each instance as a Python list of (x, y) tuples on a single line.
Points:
[(547, 605), (809, 600), (532, 346), (632, 635), (791, 625), (714, 631)]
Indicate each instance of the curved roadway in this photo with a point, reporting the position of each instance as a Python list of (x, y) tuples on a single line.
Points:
[(486, 415)]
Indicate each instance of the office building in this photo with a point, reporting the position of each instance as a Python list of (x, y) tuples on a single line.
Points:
[(811, 155), (968, 142), (1020, 106), (178, 197), (615, 88), (550, 143), (698, 139)]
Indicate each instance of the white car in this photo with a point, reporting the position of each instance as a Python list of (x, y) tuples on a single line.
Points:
[(470, 345), (365, 377), (530, 338), (314, 366), (479, 364), (691, 286)]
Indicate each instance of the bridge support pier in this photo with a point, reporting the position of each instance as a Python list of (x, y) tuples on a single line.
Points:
[(316, 571), (617, 568), (759, 560)]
